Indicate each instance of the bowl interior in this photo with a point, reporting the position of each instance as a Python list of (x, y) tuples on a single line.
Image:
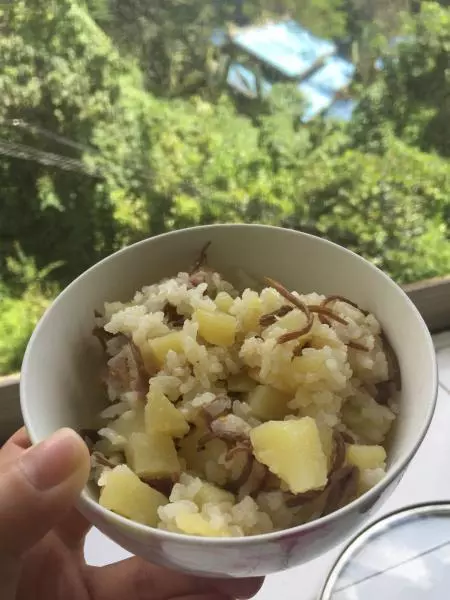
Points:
[(60, 375)]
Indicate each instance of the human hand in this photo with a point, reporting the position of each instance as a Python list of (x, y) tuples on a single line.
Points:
[(42, 535)]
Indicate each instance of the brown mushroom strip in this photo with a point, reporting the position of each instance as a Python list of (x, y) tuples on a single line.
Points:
[(287, 295), (243, 446), (173, 316), (384, 392), (338, 452), (392, 360), (235, 484), (271, 318), (102, 336), (229, 437), (345, 300), (90, 437), (326, 312), (348, 437), (217, 408), (164, 486), (293, 501), (298, 350), (101, 459), (357, 346), (201, 260), (293, 335), (255, 481), (342, 485)]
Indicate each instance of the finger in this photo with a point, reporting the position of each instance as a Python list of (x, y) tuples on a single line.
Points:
[(37, 488), (138, 579), (20, 439), (73, 529), (15, 446), (240, 588)]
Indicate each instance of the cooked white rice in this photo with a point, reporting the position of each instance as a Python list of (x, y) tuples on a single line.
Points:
[(331, 374)]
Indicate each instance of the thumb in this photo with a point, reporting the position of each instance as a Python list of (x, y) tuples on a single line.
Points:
[(37, 489)]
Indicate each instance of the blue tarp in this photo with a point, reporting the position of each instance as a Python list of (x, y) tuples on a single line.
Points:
[(336, 74), (341, 110), (319, 90), (285, 46), (242, 80), (293, 51), (317, 100)]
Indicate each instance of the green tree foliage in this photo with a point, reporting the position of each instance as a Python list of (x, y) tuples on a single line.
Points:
[(325, 18), (170, 38), (21, 306), (64, 75), (138, 163), (389, 208), (412, 94)]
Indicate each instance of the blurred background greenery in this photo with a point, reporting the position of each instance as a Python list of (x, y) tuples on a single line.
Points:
[(134, 95)]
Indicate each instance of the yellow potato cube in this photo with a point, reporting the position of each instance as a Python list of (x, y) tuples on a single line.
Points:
[(267, 403), (366, 457), (293, 451), (196, 524), (148, 357), (249, 319), (209, 493), (126, 495), (152, 455), (163, 417), (128, 423), (224, 301), (161, 346), (216, 328)]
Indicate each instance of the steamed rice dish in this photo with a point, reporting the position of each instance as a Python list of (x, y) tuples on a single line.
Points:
[(235, 413)]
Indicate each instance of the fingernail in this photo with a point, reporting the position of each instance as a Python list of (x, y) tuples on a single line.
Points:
[(53, 461)]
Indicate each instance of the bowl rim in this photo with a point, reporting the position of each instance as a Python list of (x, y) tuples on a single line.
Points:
[(321, 522)]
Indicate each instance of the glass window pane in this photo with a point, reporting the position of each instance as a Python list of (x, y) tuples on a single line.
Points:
[(121, 119)]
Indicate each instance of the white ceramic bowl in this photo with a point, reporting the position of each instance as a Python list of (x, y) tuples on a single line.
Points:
[(60, 377)]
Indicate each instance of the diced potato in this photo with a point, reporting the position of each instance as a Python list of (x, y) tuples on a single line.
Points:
[(240, 383), (196, 524), (267, 403), (126, 495), (216, 328), (249, 319), (148, 357), (161, 346), (224, 301), (163, 417), (130, 422), (366, 457), (293, 451), (209, 493), (152, 455)]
